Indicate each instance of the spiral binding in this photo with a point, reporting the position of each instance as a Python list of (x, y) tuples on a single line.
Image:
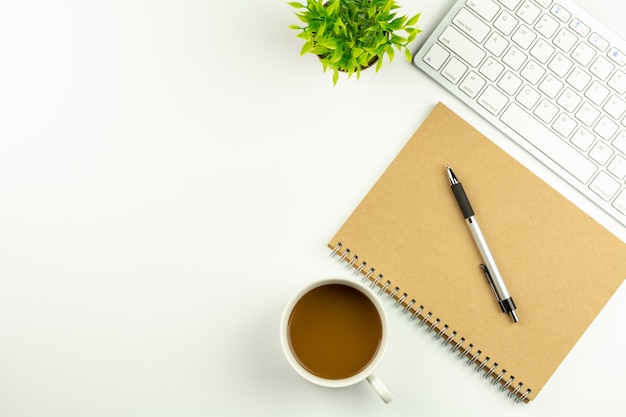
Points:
[(443, 332)]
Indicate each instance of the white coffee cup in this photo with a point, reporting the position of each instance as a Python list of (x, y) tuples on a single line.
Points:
[(367, 373)]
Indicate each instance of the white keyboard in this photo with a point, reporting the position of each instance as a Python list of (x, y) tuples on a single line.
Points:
[(548, 75)]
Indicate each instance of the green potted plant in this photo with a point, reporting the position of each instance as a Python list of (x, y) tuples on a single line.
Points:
[(351, 35)]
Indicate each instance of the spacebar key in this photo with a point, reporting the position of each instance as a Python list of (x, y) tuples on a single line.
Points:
[(548, 143)]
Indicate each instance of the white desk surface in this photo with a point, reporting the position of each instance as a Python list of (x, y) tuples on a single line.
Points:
[(170, 173)]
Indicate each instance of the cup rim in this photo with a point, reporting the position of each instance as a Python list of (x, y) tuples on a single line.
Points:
[(343, 382)]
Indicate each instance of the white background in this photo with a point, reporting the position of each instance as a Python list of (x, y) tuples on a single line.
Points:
[(170, 174)]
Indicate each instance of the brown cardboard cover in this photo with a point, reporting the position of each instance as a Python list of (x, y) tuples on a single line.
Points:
[(559, 265)]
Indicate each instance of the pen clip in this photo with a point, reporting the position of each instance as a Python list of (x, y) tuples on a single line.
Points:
[(492, 285)]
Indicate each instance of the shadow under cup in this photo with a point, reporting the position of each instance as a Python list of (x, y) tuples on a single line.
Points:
[(335, 331)]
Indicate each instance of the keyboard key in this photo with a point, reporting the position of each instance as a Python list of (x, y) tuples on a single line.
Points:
[(462, 46), (578, 79), (454, 70), (564, 125), (505, 22), (620, 141), (528, 12), (514, 58), (491, 69), (601, 67), (546, 111), (604, 186), (599, 42), (533, 72), (620, 202), (542, 50), (615, 107), (601, 153), (551, 145), (579, 27), (509, 83), (472, 84), (524, 37), (486, 9), (551, 86), (606, 128), (547, 26), (471, 25), (583, 54), (565, 40), (597, 93), (436, 56), (617, 56), (587, 114), (617, 167), (560, 64), (493, 100), (496, 44), (569, 100), (528, 97), (618, 82), (562, 14), (583, 139)]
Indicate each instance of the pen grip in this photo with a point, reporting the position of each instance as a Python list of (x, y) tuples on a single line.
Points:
[(461, 199)]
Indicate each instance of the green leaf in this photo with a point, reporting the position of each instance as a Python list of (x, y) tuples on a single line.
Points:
[(304, 17), (335, 76), (341, 24), (337, 29), (407, 54), (319, 8), (390, 52), (328, 43), (387, 9), (307, 47), (379, 64), (398, 40), (370, 51), (332, 7), (304, 35), (296, 5), (336, 58), (294, 27), (319, 50), (382, 41), (412, 21), (397, 24)]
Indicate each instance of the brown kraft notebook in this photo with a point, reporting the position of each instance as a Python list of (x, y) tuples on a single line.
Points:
[(408, 238)]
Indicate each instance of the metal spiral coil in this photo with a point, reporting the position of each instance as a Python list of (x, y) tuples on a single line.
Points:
[(442, 332), (463, 348)]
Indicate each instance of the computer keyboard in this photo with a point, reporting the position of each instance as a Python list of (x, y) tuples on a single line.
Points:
[(547, 74)]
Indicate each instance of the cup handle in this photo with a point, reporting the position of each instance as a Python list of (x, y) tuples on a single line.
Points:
[(380, 388)]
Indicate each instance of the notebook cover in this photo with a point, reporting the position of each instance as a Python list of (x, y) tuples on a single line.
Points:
[(560, 266)]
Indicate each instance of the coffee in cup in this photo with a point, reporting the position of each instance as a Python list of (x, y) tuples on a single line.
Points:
[(334, 333)]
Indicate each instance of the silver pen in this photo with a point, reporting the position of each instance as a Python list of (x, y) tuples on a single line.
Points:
[(489, 267)]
